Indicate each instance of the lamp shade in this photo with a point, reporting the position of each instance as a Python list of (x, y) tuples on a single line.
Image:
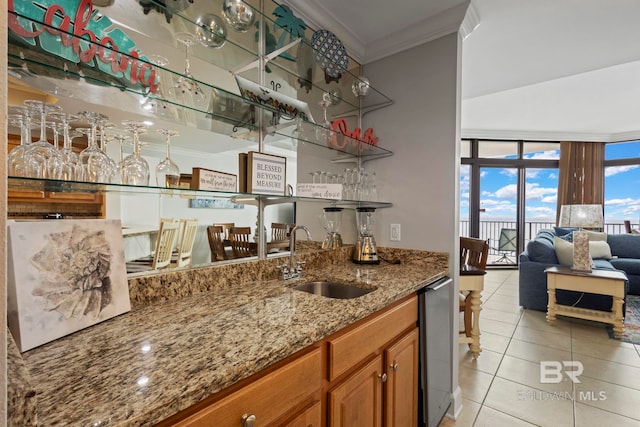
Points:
[(581, 216)]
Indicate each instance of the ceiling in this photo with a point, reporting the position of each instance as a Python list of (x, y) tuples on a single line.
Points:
[(544, 69)]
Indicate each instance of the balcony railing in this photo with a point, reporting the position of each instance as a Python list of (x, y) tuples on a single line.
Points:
[(490, 231)]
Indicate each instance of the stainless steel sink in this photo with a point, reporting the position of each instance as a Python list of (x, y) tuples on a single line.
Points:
[(332, 290)]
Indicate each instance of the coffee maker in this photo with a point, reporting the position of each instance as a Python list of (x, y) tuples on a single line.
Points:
[(331, 220), (365, 250)]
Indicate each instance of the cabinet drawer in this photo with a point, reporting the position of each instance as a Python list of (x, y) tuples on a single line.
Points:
[(347, 350), (268, 398)]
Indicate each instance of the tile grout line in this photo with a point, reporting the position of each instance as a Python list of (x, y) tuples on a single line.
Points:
[(495, 374)]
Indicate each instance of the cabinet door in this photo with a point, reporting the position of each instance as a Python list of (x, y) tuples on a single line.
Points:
[(267, 399), (312, 417), (357, 401), (401, 403)]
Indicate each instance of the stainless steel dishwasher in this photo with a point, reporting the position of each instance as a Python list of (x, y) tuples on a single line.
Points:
[(436, 351)]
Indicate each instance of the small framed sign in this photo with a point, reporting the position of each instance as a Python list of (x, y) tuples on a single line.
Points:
[(323, 191), (266, 173), (205, 179)]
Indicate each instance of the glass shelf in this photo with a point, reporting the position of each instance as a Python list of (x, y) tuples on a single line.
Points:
[(37, 184)]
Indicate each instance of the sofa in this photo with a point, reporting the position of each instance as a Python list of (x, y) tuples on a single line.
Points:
[(540, 254)]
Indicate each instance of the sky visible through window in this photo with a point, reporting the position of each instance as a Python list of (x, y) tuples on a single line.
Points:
[(498, 189)]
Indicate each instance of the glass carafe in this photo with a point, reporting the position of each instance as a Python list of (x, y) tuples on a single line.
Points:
[(331, 220), (365, 221)]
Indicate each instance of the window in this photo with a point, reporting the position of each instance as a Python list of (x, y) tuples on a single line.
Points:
[(621, 185)]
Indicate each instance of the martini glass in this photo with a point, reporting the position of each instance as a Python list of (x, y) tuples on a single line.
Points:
[(167, 172), (135, 169), (186, 83), (154, 104), (41, 150)]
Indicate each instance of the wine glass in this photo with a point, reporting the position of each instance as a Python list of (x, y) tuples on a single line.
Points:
[(18, 164), (95, 163), (55, 164), (323, 133), (135, 169), (121, 139), (41, 151), (167, 172), (103, 125), (71, 166), (185, 84)]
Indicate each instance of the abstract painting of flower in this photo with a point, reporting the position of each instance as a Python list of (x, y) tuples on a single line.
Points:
[(63, 276)]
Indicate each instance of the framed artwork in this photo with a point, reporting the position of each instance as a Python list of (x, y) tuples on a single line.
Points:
[(213, 204), (63, 276)]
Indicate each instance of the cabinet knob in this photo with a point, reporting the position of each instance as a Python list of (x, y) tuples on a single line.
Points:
[(383, 377), (394, 366), (248, 420)]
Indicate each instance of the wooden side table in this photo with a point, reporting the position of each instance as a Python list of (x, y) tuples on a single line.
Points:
[(602, 282), (472, 280)]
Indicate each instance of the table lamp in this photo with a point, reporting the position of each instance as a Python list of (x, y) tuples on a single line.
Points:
[(581, 216)]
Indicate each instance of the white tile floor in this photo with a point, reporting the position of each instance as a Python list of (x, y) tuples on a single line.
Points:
[(503, 387)]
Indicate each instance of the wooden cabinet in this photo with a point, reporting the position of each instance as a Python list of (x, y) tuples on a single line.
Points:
[(268, 399), (401, 400), (370, 375), (357, 401), (383, 391)]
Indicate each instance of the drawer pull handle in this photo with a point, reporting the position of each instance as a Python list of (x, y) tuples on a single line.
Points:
[(248, 420), (394, 367), (383, 378)]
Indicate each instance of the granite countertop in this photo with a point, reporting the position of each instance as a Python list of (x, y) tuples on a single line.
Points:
[(146, 365)]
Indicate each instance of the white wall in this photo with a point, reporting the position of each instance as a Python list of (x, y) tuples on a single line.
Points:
[(422, 130)]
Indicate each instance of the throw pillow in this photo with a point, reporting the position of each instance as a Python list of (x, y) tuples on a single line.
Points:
[(564, 251), (599, 249), (561, 231), (567, 237), (597, 236)]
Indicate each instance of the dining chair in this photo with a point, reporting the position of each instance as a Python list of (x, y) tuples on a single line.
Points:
[(280, 235), (627, 226), (161, 258), (188, 230), (226, 227), (215, 234), (240, 238), (473, 252)]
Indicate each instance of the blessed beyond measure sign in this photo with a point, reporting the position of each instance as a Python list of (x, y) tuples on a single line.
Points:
[(267, 174)]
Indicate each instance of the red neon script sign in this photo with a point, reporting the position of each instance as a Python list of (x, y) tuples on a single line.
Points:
[(75, 32), (340, 125)]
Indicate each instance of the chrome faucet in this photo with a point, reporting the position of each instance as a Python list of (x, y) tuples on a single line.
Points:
[(294, 269)]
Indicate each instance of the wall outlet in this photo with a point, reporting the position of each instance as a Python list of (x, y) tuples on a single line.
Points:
[(395, 233)]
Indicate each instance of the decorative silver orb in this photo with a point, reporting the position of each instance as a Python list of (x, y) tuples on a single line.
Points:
[(238, 14), (211, 30), (360, 87)]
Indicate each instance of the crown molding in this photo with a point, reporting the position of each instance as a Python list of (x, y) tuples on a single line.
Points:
[(442, 24), (317, 16), (429, 29), (470, 22), (550, 135)]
